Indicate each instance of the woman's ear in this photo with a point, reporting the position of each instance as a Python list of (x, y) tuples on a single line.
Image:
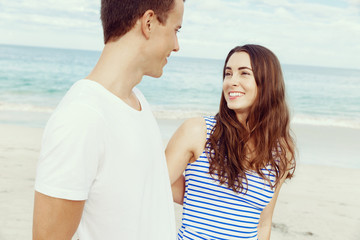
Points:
[(147, 22)]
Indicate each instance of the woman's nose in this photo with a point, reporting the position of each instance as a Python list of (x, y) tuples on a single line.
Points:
[(235, 81)]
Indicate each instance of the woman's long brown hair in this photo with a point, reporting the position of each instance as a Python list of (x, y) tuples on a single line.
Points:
[(267, 127)]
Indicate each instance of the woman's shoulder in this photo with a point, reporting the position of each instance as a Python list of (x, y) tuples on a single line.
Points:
[(195, 128), (199, 123), (191, 134), (195, 125)]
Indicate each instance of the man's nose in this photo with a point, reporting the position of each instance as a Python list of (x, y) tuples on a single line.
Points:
[(177, 47)]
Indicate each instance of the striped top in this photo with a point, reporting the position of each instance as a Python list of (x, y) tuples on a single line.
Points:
[(212, 211)]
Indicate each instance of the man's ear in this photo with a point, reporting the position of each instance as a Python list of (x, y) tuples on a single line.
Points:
[(147, 23)]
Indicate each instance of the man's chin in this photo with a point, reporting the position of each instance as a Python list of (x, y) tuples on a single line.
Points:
[(156, 74)]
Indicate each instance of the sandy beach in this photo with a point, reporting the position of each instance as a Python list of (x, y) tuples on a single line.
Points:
[(320, 202)]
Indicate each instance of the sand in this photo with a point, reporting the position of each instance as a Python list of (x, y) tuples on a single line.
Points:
[(19, 150), (320, 202)]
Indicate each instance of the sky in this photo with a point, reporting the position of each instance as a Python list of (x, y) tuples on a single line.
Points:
[(303, 32)]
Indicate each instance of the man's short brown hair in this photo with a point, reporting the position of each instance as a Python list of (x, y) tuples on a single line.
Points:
[(119, 16)]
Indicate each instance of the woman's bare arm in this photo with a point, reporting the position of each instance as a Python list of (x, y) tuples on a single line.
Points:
[(185, 146)]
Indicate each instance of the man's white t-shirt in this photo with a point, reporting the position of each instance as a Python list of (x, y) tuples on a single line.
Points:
[(97, 148)]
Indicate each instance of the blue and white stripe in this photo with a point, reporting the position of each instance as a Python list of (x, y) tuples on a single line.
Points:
[(212, 211)]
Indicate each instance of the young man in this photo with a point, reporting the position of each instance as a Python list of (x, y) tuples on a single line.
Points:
[(102, 171)]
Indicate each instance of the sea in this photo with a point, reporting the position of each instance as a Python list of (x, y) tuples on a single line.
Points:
[(34, 79)]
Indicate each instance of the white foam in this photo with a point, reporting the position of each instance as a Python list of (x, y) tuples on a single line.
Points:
[(180, 114), (24, 108), (298, 119), (326, 121), (162, 113), (169, 113)]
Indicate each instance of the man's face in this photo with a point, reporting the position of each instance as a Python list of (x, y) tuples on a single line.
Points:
[(164, 39)]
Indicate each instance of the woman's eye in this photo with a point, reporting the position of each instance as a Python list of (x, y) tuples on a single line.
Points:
[(227, 74), (245, 73)]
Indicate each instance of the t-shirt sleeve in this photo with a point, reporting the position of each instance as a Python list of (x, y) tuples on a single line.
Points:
[(71, 151)]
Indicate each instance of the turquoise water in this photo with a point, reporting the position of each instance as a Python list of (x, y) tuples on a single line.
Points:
[(33, 80)]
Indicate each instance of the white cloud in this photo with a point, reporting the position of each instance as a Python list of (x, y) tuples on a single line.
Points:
[(67, 24), (64, 14), (354, 3), (320, 32), (298, 32)]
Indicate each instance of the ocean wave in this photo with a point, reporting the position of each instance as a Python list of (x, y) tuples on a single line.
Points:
[(297, 119), (24, 108), (326, 121), (180, 114), (162, 113)]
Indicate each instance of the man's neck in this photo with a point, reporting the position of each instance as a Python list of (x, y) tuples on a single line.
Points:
[(119, 69)]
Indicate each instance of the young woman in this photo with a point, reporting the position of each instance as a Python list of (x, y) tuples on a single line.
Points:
[(236, 161)]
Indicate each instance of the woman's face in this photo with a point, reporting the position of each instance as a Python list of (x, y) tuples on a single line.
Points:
[(239, 84)]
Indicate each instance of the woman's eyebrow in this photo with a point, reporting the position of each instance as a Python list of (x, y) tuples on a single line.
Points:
[(240, 68)]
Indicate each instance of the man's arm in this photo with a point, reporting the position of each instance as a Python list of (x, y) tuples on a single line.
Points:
[(178, 190), (55, 218)]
